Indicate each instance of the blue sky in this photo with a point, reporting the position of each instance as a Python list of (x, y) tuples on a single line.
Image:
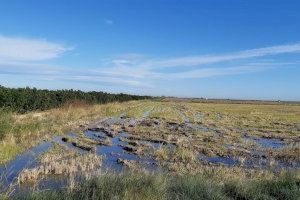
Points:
[(214, 48)]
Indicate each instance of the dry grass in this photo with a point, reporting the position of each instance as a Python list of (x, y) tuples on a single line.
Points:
[(232, 120), (25, 131), (223, 126), (60, 160)]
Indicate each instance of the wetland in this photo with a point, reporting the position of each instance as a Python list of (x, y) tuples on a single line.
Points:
[(228, 141)]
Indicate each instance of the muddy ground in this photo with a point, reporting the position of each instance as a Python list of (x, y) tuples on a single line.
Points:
[(182, 141)]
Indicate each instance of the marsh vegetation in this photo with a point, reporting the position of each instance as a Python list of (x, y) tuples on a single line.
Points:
[(153, 149)]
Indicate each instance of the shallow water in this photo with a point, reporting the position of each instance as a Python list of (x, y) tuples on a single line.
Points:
[(58, 139), (267, 143), (147, 113), (22, 161), (219, 160), (95, 135), (116, 151), (199, 116), (219, 116), (110, 154)]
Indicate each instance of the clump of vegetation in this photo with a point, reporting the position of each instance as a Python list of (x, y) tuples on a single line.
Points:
[(66, 165), (5, 123)]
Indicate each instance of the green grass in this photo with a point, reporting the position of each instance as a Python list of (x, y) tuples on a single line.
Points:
[(5, 123), (143, 186), (284, 187)]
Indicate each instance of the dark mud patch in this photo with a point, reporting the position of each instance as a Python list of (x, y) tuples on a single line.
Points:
[(151, 141), (84, 147)]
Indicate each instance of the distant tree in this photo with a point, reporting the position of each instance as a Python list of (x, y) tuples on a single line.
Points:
[(28, 99)]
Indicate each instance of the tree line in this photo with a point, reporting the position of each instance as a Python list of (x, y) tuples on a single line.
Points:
[(29, 99)]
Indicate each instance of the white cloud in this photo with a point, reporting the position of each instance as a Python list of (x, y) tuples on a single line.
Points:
[(22, 49), (209, 59), (210, 72), (131, 70), (64, 73), (140, 66), (110, 80)]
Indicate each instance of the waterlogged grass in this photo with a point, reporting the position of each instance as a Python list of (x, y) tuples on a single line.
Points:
[(167, 111), (139, 111), (177, 155), (171, 186), (20, 132), (221, 133), (265, 117)]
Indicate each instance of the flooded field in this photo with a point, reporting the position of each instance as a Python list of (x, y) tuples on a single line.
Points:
[(159, 137)]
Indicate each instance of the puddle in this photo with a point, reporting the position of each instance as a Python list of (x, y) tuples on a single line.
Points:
[(147, 113), (59, 140), (22, 161), (199, 116), (270, 143), (124, 134), (95, 135), (260, 159), (219, 116), (219, 160), (111, 155), (133, 122), (267, 164), (186, 119), (157, 145), (108, 122), (267, 143), (115, 152), (197, 127)]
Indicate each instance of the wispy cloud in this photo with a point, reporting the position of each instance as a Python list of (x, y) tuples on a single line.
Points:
[(210, 72), (65, 73), (19, 56), (209, 59), (139, 66), (110, 80), (24, 49)]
